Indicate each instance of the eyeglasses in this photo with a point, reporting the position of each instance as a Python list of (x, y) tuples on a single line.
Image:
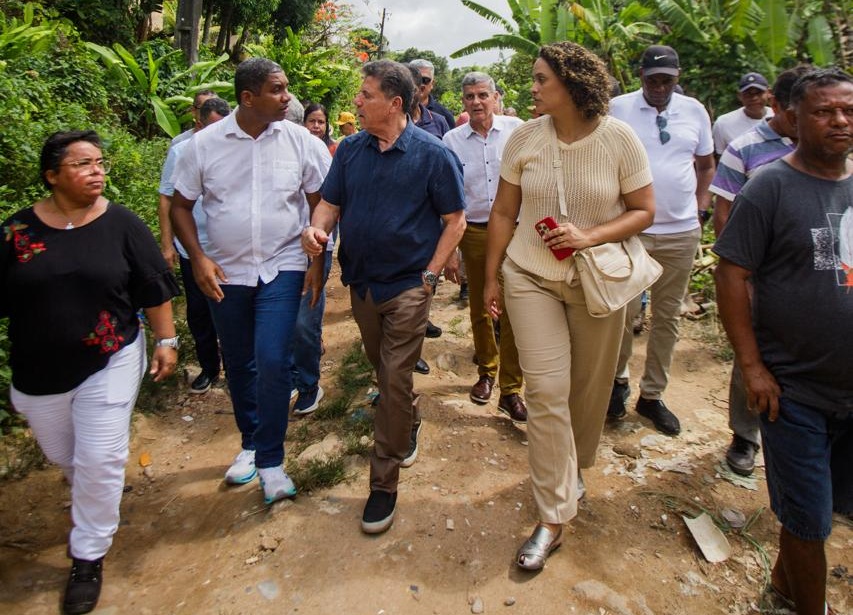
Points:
[(426, 80), (664, 135), (86, 164)]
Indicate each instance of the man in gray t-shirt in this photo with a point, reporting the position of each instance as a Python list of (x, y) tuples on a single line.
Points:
[(791, 233)]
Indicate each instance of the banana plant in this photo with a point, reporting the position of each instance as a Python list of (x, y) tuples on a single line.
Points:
[(22, 37), (537, 22), (616, 35), (145, 81)]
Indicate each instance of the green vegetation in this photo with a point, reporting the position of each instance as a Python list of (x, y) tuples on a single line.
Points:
[(74, 64)]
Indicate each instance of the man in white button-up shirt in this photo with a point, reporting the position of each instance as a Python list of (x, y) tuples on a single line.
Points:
[(254, 171), (479, 144)]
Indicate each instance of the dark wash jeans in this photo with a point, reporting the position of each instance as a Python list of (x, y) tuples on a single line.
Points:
[(305, 371), (255, 326), (200, 322)]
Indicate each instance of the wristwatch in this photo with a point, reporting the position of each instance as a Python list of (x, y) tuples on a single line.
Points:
[(168, 342), (429, 277)]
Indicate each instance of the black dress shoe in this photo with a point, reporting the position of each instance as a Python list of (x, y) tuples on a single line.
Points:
[(463, 291), (655, 410), (202, 383), (618, 396), (422, 367), (741, 455), (432, 330), (84, 586)]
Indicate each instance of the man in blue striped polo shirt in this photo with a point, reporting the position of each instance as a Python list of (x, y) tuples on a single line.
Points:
[(765, 143)]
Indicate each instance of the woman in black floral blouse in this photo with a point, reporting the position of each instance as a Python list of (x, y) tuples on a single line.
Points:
[(74, 270)]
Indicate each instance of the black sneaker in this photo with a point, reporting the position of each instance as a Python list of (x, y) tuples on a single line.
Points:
[(655, 410), (618, 396), (412, 455), (432, 330), (202, 383), (84, 586), (741, 455), (378, 512)]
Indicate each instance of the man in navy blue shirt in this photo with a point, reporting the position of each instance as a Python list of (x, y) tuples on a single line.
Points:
[(398, 196), (424, 90)]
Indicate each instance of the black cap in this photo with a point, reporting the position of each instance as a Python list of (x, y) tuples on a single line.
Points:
[(660, 59), (752, 80)]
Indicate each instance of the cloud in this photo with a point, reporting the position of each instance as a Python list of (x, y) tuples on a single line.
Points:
[(440, 26)]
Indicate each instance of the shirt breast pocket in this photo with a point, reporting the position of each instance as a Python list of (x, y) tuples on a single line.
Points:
[(286, 176)]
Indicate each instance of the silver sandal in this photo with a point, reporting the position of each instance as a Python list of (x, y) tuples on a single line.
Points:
[(537, 548)]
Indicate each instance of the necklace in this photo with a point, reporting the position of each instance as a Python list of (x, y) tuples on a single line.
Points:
[(69, 222)]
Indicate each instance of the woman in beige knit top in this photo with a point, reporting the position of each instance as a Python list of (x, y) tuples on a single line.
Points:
[(590, 173)]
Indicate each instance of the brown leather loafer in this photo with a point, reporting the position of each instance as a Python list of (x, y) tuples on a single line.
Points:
[(513, 406), (481, 392)]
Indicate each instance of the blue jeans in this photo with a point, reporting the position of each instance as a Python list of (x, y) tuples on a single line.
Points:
[(809, 462), (200, 323), (307, 344), (255, 326)]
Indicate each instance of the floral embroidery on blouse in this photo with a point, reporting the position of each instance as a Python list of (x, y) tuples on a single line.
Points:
[(105, 334), (25, 247)]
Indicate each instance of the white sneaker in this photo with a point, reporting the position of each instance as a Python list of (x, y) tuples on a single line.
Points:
[(581, 487), (242, 470), (277, 484)]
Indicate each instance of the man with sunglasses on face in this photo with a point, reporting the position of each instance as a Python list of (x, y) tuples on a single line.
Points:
[(424, 90), (676, 132)]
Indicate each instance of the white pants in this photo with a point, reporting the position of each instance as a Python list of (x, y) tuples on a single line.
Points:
[(86, 432)]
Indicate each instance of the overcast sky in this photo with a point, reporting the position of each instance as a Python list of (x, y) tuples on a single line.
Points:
[(441, 26)]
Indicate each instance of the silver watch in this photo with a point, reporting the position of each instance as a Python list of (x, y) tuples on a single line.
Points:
[(429, 277), (168, 342)]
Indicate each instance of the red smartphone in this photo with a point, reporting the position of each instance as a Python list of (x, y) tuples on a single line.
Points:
[(547, 224)]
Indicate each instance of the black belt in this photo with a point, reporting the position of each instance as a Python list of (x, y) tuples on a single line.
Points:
[(478, 224)]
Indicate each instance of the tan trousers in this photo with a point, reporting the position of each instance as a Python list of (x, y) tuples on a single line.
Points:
[(568, 359), (675, 253), (392, 333), (473, 247)]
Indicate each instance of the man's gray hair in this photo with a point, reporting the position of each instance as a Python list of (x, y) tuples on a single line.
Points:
[(394, 79), (475, 77), (421, 63)]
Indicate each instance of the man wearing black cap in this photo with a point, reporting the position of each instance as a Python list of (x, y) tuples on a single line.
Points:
[(676, 132), (752, 92)]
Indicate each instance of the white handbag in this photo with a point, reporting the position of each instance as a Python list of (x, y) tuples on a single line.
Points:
[(614, 273)]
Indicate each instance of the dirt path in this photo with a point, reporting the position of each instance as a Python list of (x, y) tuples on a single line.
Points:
[(188, 545)]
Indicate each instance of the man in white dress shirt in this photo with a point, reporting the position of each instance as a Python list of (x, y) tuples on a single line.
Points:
[(254, 171), (479, 143)]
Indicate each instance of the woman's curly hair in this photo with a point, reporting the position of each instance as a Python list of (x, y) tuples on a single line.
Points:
[(584, 75)]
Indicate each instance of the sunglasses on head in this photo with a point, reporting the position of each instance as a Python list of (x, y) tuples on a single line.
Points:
[(664, 135)]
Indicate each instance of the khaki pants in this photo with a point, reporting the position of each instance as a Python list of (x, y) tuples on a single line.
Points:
[(568, 359), (473, 247), (675, 253), (392, 333)]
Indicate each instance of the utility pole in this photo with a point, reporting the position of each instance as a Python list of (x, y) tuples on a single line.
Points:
[(381, 52)]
